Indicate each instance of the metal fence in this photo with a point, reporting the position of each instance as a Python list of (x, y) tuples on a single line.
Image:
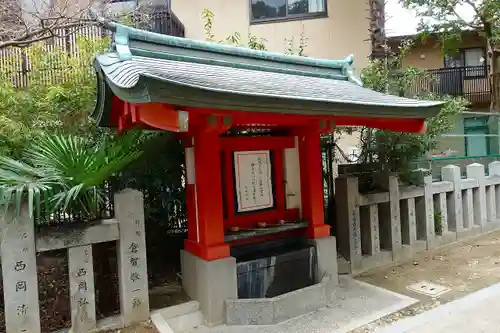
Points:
[(17, 63), (471, 82)]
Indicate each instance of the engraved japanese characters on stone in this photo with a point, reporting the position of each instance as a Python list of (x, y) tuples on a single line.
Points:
[(81, 272), (134, 261), (82, 285), (19, 266), (83, 301), (134, 276), (134, 247), (21, 286), (22, 310), (136, 302)]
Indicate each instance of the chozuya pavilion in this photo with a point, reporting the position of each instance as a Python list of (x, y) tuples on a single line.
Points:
[(251, 123)]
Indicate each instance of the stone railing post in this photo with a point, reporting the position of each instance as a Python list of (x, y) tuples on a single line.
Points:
[(82, 290), (370, 242), (390, 214), (395, 218), (19, 273), (131, 246), (455, 216), (476, 171), (348, 220), (492, 197), (424, 208)]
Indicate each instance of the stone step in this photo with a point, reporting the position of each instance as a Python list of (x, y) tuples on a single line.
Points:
[(179, 310), (186, 322)]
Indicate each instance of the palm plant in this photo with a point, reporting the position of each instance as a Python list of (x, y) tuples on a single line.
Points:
[(64, 173)]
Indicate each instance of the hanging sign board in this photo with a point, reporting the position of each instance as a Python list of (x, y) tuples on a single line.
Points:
[(254, 189)]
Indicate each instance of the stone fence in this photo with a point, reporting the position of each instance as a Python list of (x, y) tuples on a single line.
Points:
[(20, 245), (379, 228)]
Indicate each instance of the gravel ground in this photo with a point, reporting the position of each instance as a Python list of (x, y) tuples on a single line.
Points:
[(146, 327)]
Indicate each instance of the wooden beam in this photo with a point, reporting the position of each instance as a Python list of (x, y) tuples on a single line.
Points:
[(256, 143)]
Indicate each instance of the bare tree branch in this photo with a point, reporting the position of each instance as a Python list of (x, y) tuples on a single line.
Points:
[(23, 23), (464, 22), (473, 5)]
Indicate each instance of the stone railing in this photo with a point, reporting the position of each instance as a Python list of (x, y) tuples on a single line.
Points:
[(379, 228), (19, 247)]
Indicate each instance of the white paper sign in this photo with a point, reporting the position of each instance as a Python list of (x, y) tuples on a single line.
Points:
[(254, 188)]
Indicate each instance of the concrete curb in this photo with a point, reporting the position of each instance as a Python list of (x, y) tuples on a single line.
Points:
[(442, 312), (160, 323)]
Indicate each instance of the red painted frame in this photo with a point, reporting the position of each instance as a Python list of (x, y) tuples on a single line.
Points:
[(275, 144)]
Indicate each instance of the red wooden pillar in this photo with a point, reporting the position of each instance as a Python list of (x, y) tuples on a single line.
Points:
[(209, 224), (311, 180)]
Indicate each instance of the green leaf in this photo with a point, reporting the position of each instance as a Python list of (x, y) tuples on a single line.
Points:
[(66, 171)]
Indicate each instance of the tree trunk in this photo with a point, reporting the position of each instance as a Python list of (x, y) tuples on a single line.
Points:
[(377, 29), (494, 75)]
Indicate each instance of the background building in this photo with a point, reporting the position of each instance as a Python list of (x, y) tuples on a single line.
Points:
[(461, 72)]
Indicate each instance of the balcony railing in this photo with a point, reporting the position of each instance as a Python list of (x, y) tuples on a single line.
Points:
[(161, 20), (470, 82)]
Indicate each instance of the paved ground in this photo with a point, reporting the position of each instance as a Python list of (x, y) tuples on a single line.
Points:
[(464, 267), (476, 313), (356, 304)]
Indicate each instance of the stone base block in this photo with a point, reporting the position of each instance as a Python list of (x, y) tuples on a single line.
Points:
[(408, 251), (431, 243), (402, 253), (419, 246), (250, 311), (446, 238), (301, 301), (381, 258), (465, 233), (268, 311), (326, 252), (343, 265), (210, 283), (386, 257), (490, 226), (356, 264)]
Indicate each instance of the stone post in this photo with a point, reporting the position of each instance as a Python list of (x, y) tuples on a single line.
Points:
[(455, 217), (491, 214), (424, 207), (494, 170), (348, 217), (476, 171), (19, 273), (395, 218), (82, 291), (370, 243), (468, 209), (408, 222), (132, 269)]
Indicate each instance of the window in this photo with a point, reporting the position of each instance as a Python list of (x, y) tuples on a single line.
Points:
[(472, 60), (476, 139), (268, 10)]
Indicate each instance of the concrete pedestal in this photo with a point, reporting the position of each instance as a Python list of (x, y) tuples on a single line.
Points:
[(210, 283), (326, 251)]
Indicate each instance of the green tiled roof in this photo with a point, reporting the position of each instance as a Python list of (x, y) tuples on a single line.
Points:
[(148, 67)]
